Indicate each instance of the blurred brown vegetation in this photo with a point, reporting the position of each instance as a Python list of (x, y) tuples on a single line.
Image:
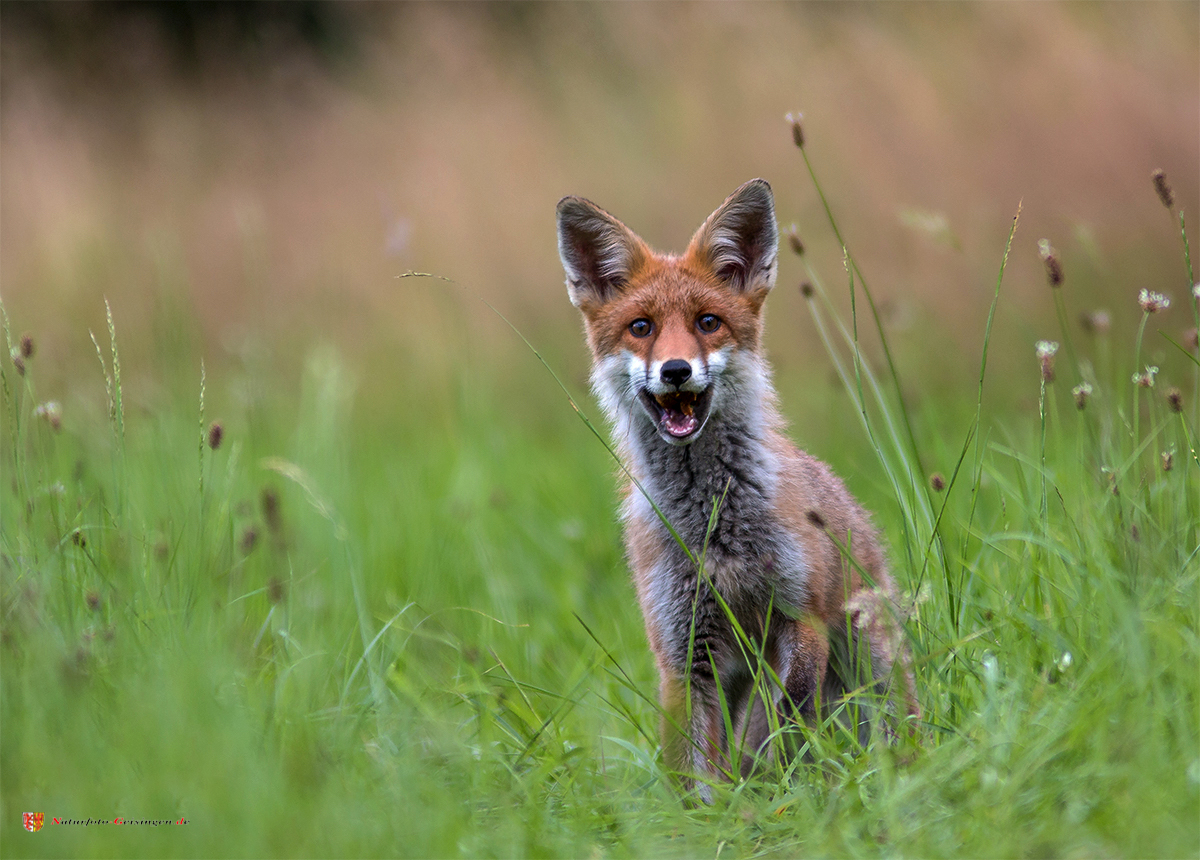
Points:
[(271, 169)]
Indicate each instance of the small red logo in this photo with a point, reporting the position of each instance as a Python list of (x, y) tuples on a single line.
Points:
[(33, 820)]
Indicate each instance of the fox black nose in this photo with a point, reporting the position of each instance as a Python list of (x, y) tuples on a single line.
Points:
[(675, 372)]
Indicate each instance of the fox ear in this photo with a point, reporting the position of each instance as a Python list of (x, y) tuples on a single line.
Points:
[(740, 241), (598, 252)]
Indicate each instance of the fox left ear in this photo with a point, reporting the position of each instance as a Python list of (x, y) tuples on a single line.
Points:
[(740, 241), (598, 252)]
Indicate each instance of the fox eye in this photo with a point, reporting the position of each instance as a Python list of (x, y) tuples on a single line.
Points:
[(708, 323), (641, 327)]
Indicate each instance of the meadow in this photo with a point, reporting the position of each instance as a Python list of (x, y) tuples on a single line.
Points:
[(331, 592)]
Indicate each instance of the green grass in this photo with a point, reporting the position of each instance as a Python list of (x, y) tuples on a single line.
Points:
[(390, 615)]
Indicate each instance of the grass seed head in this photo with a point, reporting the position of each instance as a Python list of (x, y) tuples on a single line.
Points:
[(276, 590), (1164, 190), (1168, 461), (93, 600), (937, 482), (1082, 393), (248, 540), (27, 346), (1054, 270), (1095, 322), (1111, 476), (794, 240), (1175, 399), (51, 413), (1152, 302), (806, 289), (797, 122), (215, 434), (1046, 350), (18, 360), (270, 509), (1146, 378), (78, 538), (75, 668)]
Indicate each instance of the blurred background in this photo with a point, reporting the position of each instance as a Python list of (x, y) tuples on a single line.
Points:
[(328, 617), (240, 177)]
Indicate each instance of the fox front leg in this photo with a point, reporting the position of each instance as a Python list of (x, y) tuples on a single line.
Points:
[(799, 660), (693, 732)]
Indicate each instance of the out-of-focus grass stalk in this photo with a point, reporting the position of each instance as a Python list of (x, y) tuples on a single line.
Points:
[(847, 379), (116, 409), (1187, 265), (1137, 393), (1060, 309), (1042, 510), (12, 397), (887, 352), (912, 493), (973, 430), (201, 436), (1195, 301)]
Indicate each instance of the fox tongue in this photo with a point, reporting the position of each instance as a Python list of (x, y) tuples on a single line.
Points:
[(679, 424)]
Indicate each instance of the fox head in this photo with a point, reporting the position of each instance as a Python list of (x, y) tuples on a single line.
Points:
[(675, 339)]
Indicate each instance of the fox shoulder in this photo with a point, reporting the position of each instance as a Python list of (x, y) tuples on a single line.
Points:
[(819, 509)]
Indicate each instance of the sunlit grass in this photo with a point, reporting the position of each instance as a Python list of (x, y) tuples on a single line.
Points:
[(400, 623)]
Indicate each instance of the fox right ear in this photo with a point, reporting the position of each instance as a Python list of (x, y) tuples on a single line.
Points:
[(740, 241), (598, 252)]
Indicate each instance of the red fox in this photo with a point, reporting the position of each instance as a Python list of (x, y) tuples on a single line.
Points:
[(678, 367)]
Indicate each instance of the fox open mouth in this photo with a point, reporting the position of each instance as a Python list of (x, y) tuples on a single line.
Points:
[(678, 415)]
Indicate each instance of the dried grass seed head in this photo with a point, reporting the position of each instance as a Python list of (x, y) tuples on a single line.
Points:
[(793, 236), (270, 510), (27, 346), (806, 289), (1054, 270), (1082, 393), (215, 434), (1164, 190), (1168, 460), (18, 360), (937, 482), (1095, 322), (51, 412), (796, 120), (1175, 399)]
